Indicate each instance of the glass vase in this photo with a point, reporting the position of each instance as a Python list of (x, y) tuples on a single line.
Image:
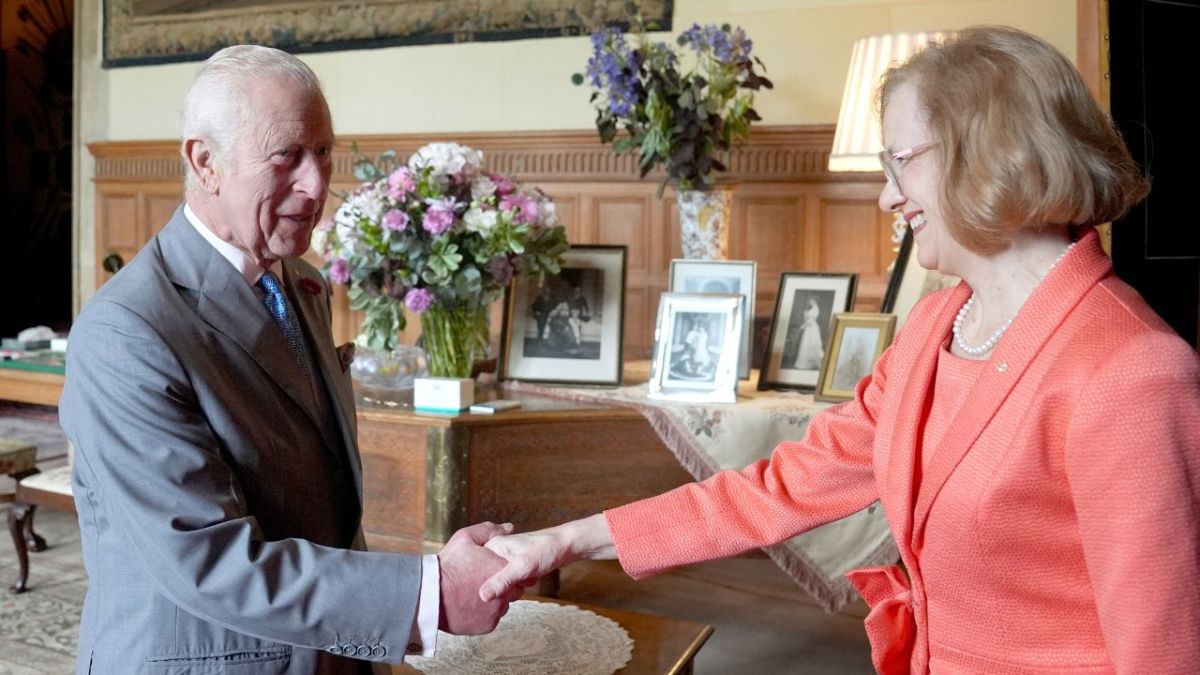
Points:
[(705, 218), (386, 378), (454, 339)]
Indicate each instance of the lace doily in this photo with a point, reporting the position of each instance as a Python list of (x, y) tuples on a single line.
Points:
[(534, 638)]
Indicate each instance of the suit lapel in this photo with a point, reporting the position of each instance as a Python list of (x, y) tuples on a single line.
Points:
[(1042, 315), (313, 311), (906, 430), (230, 306)]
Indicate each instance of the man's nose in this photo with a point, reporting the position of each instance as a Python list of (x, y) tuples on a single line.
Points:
[(890, 197), (312, 176)]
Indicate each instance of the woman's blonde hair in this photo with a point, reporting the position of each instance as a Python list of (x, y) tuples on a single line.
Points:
[(1022, 142)]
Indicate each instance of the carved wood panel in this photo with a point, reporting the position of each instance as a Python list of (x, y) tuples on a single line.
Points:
[(790, 214)]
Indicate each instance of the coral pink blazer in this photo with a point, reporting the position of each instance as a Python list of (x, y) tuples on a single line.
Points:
[(1057, 526)]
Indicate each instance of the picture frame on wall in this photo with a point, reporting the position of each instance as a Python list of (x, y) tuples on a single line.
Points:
[(721, 276), (799, 335), (567, 328), (910, 282), (857, 342), (697, 342)]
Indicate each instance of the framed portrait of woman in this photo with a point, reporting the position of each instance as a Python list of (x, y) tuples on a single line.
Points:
[(858, 341), (799, 335)]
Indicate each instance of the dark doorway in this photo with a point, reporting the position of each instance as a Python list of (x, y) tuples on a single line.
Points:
[(1156, 248), (35, 201)]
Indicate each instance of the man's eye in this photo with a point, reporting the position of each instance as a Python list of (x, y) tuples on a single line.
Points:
[(324, 152), (285, 152)]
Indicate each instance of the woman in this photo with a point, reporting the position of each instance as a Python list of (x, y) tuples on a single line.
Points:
[(810, 351), (1033, 434)]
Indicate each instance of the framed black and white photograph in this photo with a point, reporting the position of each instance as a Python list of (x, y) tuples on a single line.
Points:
[(909, 282), (721, 276), (568, 328), (799, 335), (858, 342), (697, 342)]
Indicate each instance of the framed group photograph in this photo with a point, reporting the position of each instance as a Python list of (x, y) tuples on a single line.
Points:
[(697, 342), (568, 328), (721, 276), (799, 335), (858, 341), (910, 282)]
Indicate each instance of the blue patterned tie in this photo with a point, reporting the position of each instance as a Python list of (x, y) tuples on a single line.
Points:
[(277, 306)]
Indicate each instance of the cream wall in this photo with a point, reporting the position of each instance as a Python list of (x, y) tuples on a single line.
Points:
[(522, 85)]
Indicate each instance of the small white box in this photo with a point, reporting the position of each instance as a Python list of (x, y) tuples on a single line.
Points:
[(58, 345), (443, 394)]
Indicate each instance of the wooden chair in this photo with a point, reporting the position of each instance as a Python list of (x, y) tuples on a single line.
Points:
[(50, 488)]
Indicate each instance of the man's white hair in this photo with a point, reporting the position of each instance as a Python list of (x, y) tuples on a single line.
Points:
[(217, 104)]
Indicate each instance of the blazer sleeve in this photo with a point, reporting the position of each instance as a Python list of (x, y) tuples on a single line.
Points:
[(827, 475), (1133, 464), (146, 453)]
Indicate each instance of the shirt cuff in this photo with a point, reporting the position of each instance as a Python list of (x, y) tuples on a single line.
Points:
[(422, 640)]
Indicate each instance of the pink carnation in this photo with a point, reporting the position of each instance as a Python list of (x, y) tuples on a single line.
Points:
[(440, 216), (339, 271), (396, 220), (524, 207), (401, 182), (418, 299), (504, 184)]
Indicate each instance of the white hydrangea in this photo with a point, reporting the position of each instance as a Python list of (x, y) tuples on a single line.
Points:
[(447, 159), (345, 234), (547, 213), (480, 220), (369, 200), (482, 187)]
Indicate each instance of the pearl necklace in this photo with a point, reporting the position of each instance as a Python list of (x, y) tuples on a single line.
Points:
[(989, 343)]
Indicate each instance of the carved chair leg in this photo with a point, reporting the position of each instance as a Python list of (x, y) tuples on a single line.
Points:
[(16, 527), (35, 542)]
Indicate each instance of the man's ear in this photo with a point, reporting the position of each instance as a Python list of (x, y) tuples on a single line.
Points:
[(202, 163)]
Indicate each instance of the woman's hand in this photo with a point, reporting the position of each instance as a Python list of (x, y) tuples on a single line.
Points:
[(534, 554)]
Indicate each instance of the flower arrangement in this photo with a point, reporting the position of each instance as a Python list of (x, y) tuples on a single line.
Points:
[(440, 237), (681, 119)]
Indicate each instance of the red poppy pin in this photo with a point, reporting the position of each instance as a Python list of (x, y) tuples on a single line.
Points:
[(311, 285)]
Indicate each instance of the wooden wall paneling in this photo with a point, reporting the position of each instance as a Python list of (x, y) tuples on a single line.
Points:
[(783, 200)]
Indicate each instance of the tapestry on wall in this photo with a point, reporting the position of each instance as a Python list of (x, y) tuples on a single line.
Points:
[(140, 32)]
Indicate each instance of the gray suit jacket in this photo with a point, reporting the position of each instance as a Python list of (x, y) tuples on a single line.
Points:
[(219, 494)]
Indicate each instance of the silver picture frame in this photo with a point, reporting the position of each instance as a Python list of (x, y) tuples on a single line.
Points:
[(697, 340), (721, 276)]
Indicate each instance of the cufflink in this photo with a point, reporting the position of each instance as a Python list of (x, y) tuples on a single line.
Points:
[(414, 648)]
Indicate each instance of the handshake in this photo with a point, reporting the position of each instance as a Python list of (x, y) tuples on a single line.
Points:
[(484, 567)]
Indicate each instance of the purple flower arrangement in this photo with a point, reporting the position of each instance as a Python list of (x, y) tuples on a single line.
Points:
[(435, 232), (683, 119)]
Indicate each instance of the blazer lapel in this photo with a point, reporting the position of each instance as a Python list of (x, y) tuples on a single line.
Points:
[(905, 433), (230, 306), (1042, 314), (313, 310)]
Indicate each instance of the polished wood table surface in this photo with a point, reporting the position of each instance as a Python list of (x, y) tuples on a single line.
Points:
[(660, 645)]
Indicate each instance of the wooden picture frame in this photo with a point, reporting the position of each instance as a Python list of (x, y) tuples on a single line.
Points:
[(569, 328), (799, 335), (721, 276), (910, 282), (858, 341), (697, 342)]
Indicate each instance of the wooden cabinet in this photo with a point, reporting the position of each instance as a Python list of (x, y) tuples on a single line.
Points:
[(426, 476)]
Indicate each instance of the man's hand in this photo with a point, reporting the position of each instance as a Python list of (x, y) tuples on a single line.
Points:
[(465, 565), (535, 554)]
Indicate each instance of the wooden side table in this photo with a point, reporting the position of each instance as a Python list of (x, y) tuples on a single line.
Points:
[(19, 460), (426, 476), (661, 646)]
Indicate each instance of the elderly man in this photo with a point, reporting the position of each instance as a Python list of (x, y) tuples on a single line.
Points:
[(217, 473)]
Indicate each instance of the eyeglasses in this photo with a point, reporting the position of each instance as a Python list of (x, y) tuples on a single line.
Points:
[(892, 163)]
